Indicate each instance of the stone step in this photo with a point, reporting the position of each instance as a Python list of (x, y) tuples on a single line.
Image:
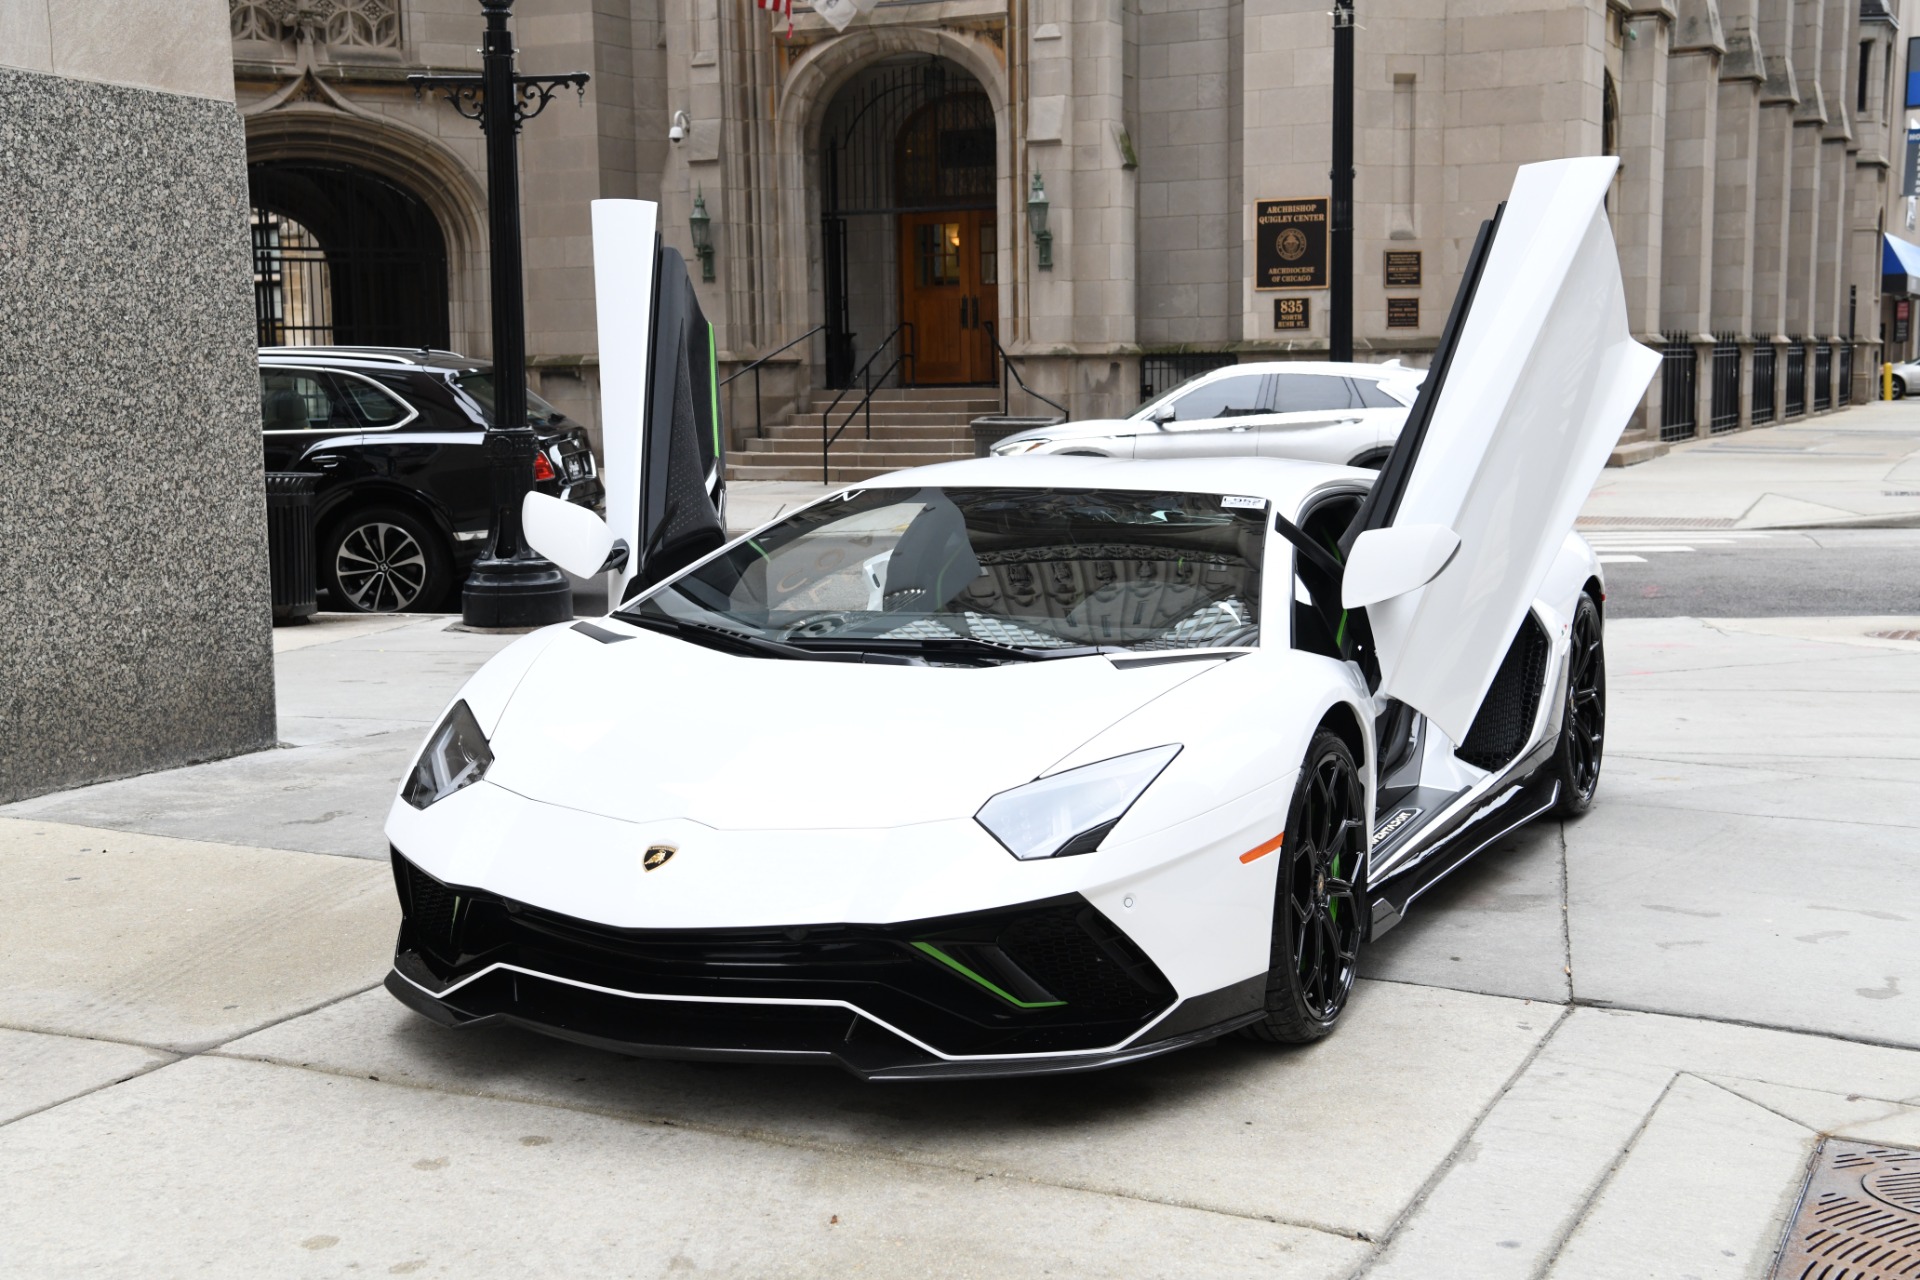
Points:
[(886, 413), (881, 431), (837, 474), (959, 446)]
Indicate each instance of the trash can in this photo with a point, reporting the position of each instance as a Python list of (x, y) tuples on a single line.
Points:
[(290, 553)]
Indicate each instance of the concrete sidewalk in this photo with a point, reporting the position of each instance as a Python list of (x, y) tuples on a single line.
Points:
[(1860, 466), (1607, 1048)]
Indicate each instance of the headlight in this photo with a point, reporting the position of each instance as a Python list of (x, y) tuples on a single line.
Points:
[(1007, 448), (457, 756), (1071, 812)]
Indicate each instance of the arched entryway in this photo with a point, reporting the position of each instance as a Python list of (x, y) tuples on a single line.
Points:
[(908, 156), (343, 255)]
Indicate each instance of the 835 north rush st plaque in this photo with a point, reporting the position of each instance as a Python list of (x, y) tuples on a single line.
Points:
[(1290, 243)]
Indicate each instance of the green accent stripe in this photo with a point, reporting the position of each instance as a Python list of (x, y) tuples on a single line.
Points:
[(713, 385), (961, 969)]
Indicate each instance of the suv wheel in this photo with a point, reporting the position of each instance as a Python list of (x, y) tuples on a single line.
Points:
[(383, 560)]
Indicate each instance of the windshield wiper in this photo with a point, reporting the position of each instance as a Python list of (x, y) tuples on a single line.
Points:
[(957, 645), (725, 638)]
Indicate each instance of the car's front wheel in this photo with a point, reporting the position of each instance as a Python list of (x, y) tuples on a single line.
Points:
[(1317, 919), (1899, 387), (384, 560)]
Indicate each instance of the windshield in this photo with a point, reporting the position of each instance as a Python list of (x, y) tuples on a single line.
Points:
[(1029, 571), (480, 387)]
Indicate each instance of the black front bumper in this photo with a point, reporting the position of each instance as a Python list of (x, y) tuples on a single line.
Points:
[(1041, 987)]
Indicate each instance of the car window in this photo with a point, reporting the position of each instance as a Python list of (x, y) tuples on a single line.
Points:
[(1373, 396), (480, 387), (1227, 398), (378, 407), (1308, 392), (295, 400)]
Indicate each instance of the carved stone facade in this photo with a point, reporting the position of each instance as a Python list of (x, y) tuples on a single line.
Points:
[(1754, 173)]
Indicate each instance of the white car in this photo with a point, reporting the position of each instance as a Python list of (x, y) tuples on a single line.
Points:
[(1311, 410), (1014, 766), (1906, 374)]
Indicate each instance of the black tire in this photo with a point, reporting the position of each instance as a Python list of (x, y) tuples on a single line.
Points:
[(1317, 920), (1899, 387), (385, 560), (1583, 723)]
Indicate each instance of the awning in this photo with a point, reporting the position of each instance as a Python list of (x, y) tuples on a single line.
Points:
[(1899, 266)]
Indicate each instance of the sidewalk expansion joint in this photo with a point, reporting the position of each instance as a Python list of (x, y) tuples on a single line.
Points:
[(1614, 1006), (1446, 1164)]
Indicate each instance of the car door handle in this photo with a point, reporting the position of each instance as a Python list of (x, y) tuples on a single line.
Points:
[(1239, 428)]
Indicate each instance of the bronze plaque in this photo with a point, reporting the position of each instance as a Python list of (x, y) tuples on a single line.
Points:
[(1290, 243), (1292, 313), (1403, 268), (1403, 313)]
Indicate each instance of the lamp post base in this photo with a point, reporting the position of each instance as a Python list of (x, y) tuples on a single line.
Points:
[(523, 591)]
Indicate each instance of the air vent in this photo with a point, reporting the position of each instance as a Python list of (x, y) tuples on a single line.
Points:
[(1505, 719)]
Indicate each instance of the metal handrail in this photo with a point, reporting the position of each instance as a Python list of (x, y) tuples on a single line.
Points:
[(1008, 366), (754, 369), (865, 371)]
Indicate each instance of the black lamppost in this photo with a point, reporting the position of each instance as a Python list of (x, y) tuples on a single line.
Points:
[(1340, 255), (511, 585)]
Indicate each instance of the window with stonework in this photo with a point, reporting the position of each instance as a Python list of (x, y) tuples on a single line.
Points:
[(344, 26)]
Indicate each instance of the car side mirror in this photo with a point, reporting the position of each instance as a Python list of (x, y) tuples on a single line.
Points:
[(1390, 562), (571, 536), (1163, 415)]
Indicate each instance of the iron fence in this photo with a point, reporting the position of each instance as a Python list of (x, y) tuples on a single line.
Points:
[(1161, 374), (1823, 377), (1844, 392), (1726, 384), (1765, 363), (1796, 379), (1679, 373)]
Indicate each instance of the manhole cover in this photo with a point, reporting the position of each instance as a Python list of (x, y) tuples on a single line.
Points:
[(1894, 635), (1656, 522), (1859, 1216)]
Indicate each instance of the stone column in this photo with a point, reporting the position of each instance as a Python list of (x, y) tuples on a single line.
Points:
[(1641, 202), (1686, 255), (1773, 188), (1735, 200), (1838, 68), (1872, 175), (1809, 200)]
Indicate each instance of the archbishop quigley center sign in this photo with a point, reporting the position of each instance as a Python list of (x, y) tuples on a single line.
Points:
[(1290, 243)]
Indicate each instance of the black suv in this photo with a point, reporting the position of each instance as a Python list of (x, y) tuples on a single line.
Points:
[(397, 438)]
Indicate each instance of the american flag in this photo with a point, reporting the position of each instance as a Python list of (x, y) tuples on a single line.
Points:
[(779, 6)]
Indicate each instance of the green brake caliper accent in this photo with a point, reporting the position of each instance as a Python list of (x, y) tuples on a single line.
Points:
[(961, 969)]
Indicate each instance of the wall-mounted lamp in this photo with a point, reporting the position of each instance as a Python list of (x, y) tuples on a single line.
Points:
[(702, 225), (1037, 220)]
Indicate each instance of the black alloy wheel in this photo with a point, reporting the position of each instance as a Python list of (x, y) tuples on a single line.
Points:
[(1583, 727), (1317, 921), (383, 560)]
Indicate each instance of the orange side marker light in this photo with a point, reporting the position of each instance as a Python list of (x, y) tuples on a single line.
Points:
[(1261, 851)]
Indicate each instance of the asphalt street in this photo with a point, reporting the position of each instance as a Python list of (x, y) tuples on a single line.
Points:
[(1760, 574)]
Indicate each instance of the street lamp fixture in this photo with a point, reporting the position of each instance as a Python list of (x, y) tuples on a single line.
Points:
[(702, 225), (1037, 220), (511, 585)]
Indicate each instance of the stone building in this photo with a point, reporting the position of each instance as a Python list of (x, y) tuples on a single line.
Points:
[(872, 194)]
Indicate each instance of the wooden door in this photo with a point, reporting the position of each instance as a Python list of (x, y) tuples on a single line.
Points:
[(949, 274)]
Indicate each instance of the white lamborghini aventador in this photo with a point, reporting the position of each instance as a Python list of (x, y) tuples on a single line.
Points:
[(1025, 764)]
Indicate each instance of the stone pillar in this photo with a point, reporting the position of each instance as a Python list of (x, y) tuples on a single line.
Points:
[(1872, 174), (1809, 202), (1773, 188), (1838, 68), (1642, 194), (1736, 178), (1686, 254), (135, 615)]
